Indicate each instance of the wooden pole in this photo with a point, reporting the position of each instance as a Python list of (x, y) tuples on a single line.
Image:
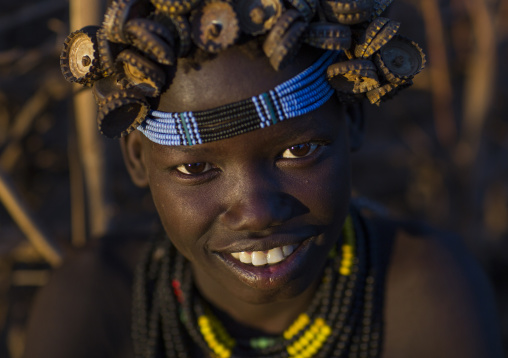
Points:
[(481, 73), (442, 92), (90, 144)]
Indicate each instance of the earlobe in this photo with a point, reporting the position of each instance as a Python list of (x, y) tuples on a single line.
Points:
[(132, 151), (356, 123)]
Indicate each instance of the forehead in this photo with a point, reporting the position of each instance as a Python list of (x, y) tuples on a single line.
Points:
[(232, 76)]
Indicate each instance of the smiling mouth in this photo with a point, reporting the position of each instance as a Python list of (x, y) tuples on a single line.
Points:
[(261, 258)]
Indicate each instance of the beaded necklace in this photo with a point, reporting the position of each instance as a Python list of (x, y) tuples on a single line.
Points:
[(344, 318), (297, 96)]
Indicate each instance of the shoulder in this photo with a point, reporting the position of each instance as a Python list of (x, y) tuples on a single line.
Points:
[(438, 301), (84, 311)]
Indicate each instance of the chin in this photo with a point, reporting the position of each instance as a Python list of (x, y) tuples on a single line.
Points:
[(257, 297)]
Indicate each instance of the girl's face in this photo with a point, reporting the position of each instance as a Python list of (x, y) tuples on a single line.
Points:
[(281, 188)]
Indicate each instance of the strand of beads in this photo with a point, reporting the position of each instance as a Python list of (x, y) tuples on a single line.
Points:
[(311, 341), (353, 298), (347, 297), (348, 245), (140, 307), (301, 322), (262, 342), (172, 332), (218, 340)]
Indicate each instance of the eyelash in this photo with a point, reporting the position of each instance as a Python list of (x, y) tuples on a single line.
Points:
[(183, 167), (209, 168), (313, 147)]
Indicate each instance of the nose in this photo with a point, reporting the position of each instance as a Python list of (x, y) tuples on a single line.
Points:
[(257, 203)]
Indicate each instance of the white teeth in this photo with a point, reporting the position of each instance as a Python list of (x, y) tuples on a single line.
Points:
[(245, 257), (288, 250), (274, 255), (260, 258)]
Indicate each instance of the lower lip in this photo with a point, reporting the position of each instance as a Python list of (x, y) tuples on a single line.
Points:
[(269, 276)]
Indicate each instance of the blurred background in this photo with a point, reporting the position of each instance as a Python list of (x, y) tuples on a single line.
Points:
[(438, 152)]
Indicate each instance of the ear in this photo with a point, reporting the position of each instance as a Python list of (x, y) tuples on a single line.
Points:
[(132, 151), (356, 124)]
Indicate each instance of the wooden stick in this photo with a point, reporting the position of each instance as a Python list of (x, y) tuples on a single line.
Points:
[(26, 221), (22, 124), (442, 93), (78, 200), (481, 73), (4, 118)]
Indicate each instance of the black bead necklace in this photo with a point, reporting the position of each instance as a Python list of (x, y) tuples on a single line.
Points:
[(344, 318)]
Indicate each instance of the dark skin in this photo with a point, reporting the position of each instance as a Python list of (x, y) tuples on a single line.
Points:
[(285, 184)]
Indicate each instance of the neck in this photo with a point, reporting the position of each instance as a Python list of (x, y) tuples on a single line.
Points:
[(246, 319)]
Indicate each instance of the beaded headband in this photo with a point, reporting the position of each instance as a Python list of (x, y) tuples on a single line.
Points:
[(128, 59), (297, 96)]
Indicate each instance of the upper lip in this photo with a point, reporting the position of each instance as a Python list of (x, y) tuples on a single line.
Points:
[(269, 241)]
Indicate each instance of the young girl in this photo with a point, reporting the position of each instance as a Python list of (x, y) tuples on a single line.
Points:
[(240, 118)]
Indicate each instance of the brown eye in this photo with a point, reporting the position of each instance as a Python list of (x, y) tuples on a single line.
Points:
[(194, 168), (299, 150)]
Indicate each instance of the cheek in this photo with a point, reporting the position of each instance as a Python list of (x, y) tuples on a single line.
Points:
[(185, 215), (327, 188), (326, 194)]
